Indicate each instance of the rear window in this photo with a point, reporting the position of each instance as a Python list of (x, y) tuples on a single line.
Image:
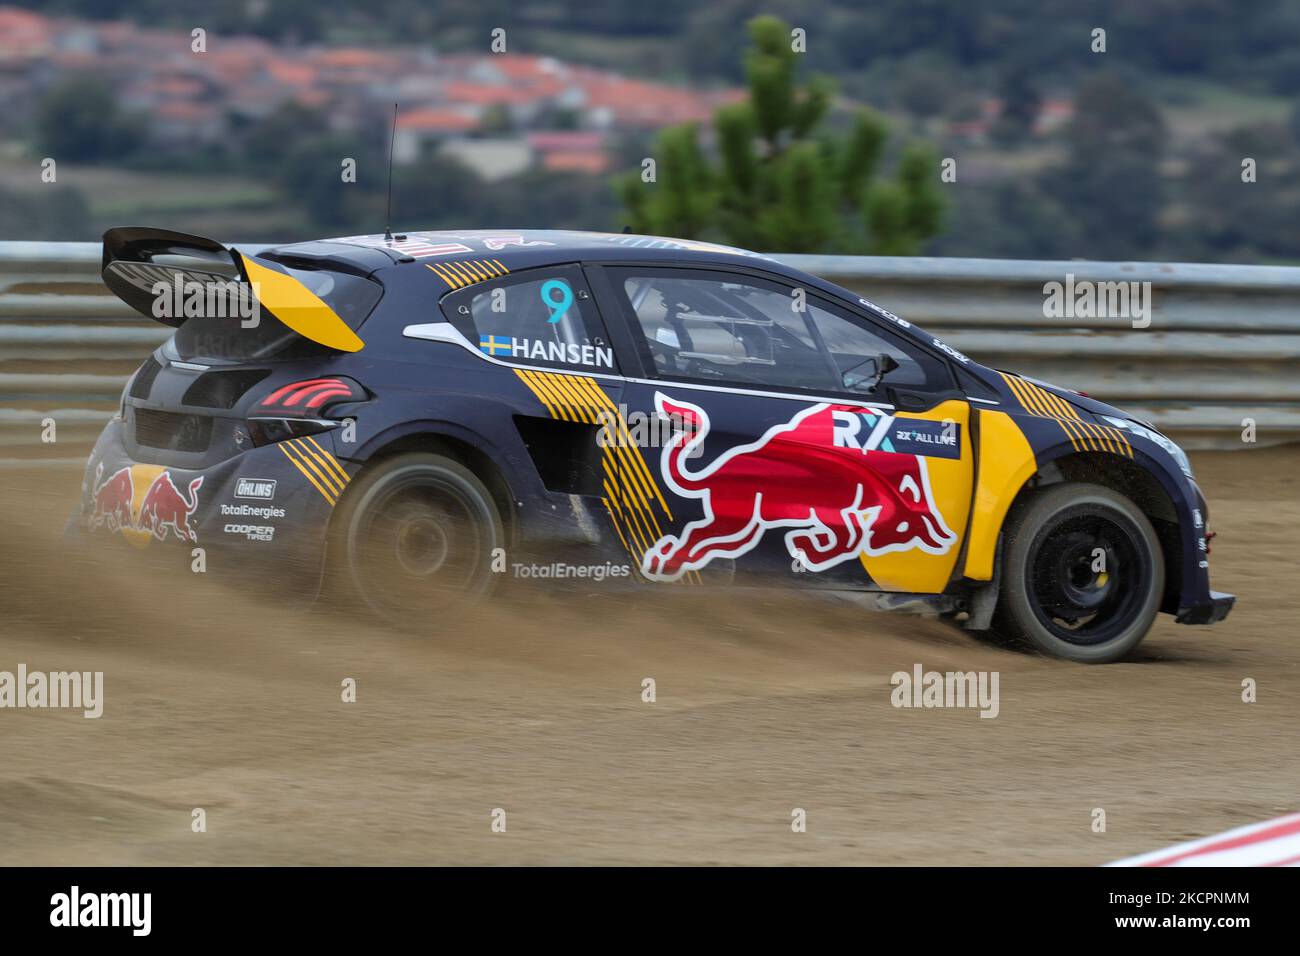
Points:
[(542, 317), (223, 334)]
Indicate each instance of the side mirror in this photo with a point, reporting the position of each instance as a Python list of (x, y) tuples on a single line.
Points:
[(869, 372)]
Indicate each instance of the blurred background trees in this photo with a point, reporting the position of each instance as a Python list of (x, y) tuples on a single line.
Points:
[(1060, 152)]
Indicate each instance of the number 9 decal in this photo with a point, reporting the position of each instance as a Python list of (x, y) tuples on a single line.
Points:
[(559, 309)]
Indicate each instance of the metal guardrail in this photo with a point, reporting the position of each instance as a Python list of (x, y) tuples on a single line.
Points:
[(1223, 344)]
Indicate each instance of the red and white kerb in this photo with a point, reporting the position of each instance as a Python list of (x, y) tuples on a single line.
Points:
[(1273, 843)]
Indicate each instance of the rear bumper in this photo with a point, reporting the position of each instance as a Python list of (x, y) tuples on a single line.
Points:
[(1207, 612), (261, 515)]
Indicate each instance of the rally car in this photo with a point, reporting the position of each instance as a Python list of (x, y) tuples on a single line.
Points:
[(414, 418)]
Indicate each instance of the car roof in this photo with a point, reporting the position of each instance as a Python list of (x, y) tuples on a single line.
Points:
[(515, 248), (496, 251)]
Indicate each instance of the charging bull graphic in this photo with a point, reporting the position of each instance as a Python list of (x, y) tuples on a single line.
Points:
[(838, 500), (113, 500), (142, 502)]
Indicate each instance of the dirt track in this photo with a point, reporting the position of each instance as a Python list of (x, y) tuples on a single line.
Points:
[(763, 705)]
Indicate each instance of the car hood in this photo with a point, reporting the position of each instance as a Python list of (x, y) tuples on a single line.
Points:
[(1083, 402)]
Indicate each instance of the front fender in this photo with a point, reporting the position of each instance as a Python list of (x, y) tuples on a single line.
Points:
[(1013, 447)]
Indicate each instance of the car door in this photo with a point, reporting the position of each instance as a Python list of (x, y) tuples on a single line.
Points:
[(542, 324), (792, 435)]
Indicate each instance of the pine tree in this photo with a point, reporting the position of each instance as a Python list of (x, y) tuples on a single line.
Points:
[(775, 183)]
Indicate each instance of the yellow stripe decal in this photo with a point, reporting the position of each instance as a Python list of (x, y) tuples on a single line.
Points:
[(1018, 387), (528, 380), (306, 474), (577, 405), (313, 461), (631, 495), (334, 462), (1076, 437), (547, 387), (1103, 439), (442, 275), (1058, 405), (1100, 437), (465, 274), (303, 458), (1035, 396), (1054, 404), (1083, 435), (453, 275), (624, 442), (329, 475)]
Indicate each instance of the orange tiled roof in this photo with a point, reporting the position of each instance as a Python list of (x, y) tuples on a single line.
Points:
[(517, 66), (435, 119), (575, 161), (484, 94), (291, 72), (352, 57), (13, 20), (23, 33), (637, 102)]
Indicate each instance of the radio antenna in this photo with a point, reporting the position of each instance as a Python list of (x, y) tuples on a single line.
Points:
[(388, 214)]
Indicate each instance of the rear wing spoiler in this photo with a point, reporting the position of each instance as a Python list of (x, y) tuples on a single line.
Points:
[(137, 259)]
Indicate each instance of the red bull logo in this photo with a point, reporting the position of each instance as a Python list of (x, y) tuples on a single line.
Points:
[(112, 500), (838, 499), (143, 503)]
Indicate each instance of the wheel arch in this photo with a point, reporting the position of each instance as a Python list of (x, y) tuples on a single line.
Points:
[(439, 441), (1129, 478)]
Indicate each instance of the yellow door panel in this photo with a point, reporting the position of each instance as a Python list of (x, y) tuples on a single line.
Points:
[(950, 480), (1006, 462)]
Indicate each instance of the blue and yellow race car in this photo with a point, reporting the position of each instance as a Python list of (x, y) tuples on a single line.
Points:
[(414, 418)]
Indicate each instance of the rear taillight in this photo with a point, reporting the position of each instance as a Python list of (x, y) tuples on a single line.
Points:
[(310, 397), (301, 408)]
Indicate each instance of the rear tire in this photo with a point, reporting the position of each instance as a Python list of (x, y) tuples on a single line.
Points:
[(1082, 575), (415, 535)]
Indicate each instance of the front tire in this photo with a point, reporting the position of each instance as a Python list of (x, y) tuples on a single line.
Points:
[(1082, 576), (415, 535)]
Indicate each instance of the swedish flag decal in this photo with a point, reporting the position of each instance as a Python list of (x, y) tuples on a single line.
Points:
[(496, 344)]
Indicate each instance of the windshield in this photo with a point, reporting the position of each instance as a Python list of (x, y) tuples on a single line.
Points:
[(226, 328)]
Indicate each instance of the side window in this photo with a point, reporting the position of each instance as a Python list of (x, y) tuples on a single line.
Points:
[(849, 341), (542, 317), (731, 329)]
